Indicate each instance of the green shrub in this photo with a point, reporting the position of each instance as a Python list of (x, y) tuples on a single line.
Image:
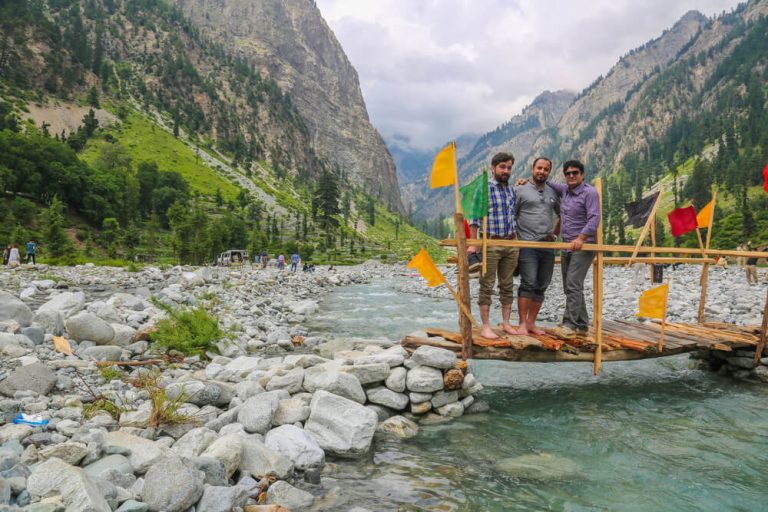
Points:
[(192, 331)]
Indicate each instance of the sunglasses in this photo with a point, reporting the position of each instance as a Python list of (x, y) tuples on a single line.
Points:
[(572, 173)]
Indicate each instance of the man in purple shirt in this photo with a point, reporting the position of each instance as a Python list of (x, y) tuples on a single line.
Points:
[(579, 219)]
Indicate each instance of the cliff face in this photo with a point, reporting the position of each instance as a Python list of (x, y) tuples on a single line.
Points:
[(290, 41)]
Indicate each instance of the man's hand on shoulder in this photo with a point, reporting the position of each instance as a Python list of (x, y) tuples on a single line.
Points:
[(521, 181)]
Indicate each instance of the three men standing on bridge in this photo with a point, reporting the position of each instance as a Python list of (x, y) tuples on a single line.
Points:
[(534, 205)]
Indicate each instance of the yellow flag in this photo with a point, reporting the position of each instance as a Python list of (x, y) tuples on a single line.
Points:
[(60, 344), (426, 267), (702, 218), (444, 168), (653, 302)]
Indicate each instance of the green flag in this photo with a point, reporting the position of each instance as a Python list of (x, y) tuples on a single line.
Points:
[(474, 197)]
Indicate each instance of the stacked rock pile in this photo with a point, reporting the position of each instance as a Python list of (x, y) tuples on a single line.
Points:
[(738, 364)]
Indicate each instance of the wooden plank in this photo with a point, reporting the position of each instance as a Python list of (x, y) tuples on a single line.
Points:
[(432, 342)]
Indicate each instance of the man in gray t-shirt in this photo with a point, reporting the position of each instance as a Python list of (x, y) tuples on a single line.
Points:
[(535, 208)]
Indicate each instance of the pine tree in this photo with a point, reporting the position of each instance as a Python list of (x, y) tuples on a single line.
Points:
[(327, 196), (57, 244)]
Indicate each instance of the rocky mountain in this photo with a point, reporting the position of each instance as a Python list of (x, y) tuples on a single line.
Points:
[(289, 41), (516, 135)]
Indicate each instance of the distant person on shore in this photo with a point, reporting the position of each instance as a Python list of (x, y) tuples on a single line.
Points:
[(264, 259), (741, 260), (751, 268), (257, 259), (280, 262), (579, 219), (6, 254), (536, 206), (500, 261), (31, 248), (721, 261), (14, 258), (294, 261)]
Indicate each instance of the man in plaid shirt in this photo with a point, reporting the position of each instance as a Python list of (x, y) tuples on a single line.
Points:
[(501, 261)]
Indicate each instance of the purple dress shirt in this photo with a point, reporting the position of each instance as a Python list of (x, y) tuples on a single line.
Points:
[(579, 211)]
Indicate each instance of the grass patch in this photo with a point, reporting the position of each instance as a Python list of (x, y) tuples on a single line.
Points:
[(110, 373), (165, 410), (144, 141), (192, 331)]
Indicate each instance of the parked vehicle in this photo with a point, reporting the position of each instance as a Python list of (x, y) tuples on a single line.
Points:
[(232, 257)]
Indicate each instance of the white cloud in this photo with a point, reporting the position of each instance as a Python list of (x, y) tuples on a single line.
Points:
[(434, 69)]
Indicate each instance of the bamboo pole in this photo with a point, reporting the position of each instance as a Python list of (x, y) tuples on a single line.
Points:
[(653, 243), (485, 243), (597, 290), (763, 335), (462, 306), (607, 248), (465, 324), (704, 280), (608, 260), (650, 221)]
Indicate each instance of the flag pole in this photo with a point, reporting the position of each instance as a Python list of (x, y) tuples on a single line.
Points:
[(644, 232), (597, 292), (653, 241), (704, 280), (465, 321), (485, 235), (660, 346), (763, 334)]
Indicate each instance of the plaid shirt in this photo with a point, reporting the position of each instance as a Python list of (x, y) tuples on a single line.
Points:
[(501, 210)]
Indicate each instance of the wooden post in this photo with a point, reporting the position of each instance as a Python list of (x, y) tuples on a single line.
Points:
[(704, 280), (660, 346), (763, 335), (465, 323), (653, 241), (597, 291), (648, 223), (485, 244)]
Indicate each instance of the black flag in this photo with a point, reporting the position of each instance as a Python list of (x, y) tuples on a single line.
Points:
[(639, 211)]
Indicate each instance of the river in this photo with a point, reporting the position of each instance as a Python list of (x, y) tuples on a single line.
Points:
[(652, 435)]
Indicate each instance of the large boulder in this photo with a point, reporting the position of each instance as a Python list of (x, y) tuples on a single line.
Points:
[(87, 326), (388, 398), (78, 491), (66, 303), (52, 322), (340, 426), (257, 412), (35, 377), (368, 373), (291, 410), (194, 442), (435, 357), (228, 450), (201, 392), (336, 382), (172, 486), (144, 452), (11, 308), (286, 495), (295, 444), (257, 460), (222, 498), (111, 462), (424, 379)]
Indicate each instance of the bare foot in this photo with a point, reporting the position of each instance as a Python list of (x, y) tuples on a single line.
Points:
[(536, 330), (521, 331), (508, 329), (487, 332)]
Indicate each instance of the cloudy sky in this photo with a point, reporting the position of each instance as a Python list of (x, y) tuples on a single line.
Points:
[(434, 69)]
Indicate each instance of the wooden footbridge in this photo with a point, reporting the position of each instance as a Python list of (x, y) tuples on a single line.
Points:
[(606, 340)]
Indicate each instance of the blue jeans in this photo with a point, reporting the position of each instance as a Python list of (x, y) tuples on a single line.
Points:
[(536, 267)]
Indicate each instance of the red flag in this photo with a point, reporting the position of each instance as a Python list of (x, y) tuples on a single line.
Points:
[(466, 227), (765, 178), (682, 220)]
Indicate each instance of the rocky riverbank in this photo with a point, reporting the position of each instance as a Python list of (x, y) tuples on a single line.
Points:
[(249, 426)]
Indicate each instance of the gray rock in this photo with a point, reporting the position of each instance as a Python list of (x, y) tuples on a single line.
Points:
[(124, 334), (478, 406), (227, 449), (339, 425), (52, 322), (295, 444), (418, 398), (34, 333), (442, 398), (382, 413), (421, 408), (290, 411), (741, 362), (453, 410), (102, 353), (71, 453), (143, 452), (214, 470), (35, 377), (78, 491), (284, 494), (110, 462), (542, 466), (133, 506), (471, 385), (424, 379), (390, 358), (396, 379), (87, 326), (171, 486), (12, 308), (398, 426), (222, 499), (65, 303), (243, 365), (435, 357), (290, 381), (338, 383), (257, 460), (202, 392), (388, 398), (368, 373), (761, 372), (257, 412), (194, 442)]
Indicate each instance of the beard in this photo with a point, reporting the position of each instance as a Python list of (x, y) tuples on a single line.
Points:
[(501, 178)]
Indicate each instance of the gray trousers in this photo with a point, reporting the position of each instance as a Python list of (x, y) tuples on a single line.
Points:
[(575, 266)]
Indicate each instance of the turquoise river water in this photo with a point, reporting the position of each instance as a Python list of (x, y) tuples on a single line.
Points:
[(654, 435)]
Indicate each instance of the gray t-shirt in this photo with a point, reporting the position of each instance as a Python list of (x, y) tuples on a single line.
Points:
[(534, 211)]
